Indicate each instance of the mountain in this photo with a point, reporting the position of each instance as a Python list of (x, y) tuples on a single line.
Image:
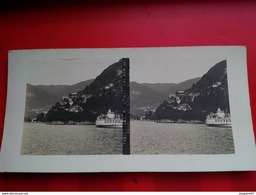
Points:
[(103, 93), (61, 90), (182, 86), (143, 99), (195, 103), (171, 88), (40, 98), (148, 96), (160, 87)]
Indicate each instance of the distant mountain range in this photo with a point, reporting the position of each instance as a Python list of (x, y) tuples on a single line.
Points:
[(171, 88), (148, 96), (40, 98), (62, 90)]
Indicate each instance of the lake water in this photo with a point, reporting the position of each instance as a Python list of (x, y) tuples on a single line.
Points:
[(145, 138), (177, 138), (42, 139)]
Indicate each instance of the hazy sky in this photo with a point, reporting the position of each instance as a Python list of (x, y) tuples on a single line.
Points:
[(147, 65)]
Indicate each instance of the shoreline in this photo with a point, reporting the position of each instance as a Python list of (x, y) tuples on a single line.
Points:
[(174, 122)]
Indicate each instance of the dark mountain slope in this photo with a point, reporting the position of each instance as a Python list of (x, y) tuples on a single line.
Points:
[(104, 93), (207, 95)]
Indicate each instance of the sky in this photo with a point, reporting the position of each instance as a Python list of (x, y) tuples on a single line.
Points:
[(147, 65)]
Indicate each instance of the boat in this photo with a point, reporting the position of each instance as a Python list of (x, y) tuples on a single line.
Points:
[(111, 120), (219, 119)]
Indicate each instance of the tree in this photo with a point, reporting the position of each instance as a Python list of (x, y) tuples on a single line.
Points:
[(41, 117), (27, 119)]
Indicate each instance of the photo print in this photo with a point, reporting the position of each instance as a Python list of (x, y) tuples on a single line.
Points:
[(68, 118), (117, 109), (183, 107)]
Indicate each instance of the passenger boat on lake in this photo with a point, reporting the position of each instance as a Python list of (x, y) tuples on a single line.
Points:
[(219, 119), (110, 120)]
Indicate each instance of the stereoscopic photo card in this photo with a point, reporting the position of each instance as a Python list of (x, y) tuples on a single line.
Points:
[(128, 109)]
